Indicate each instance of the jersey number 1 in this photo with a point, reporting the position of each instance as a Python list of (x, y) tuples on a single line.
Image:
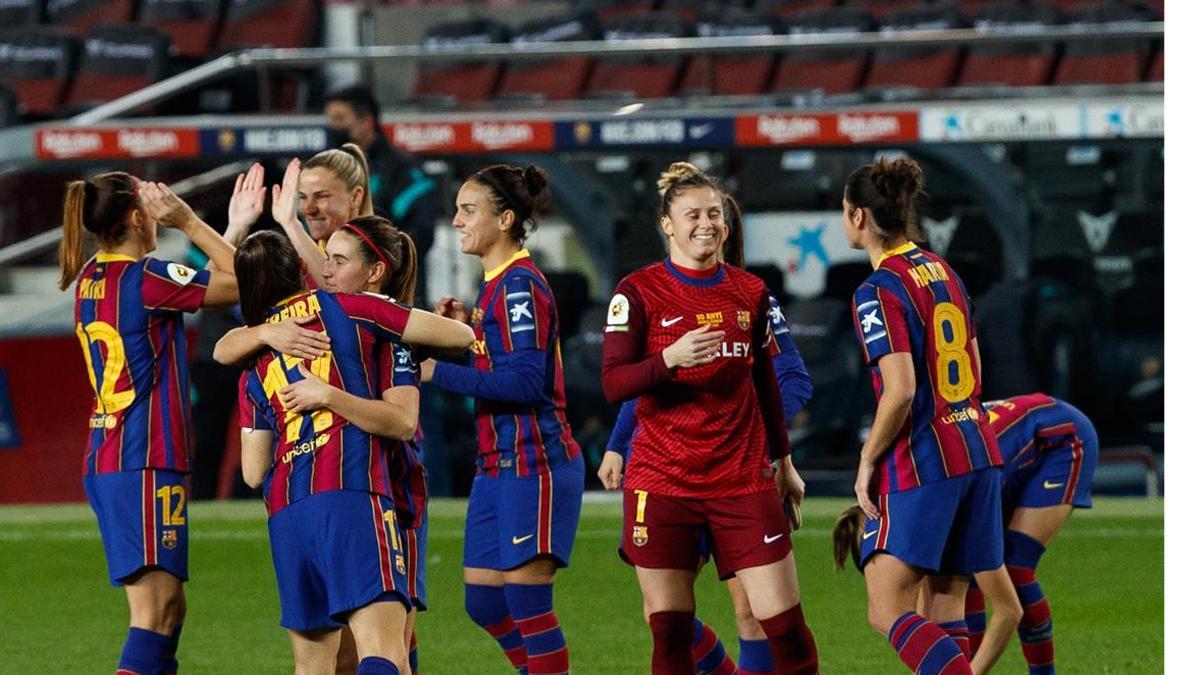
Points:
[(108, 398), (950, 338)]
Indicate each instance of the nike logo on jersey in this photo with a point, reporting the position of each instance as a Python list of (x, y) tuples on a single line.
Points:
[(768, 540), (1051, 486), (671, 322), (517, 541), (868, 535)]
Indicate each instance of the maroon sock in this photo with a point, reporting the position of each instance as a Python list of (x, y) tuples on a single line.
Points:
[(792, 644), (976, 617), (672, 633)]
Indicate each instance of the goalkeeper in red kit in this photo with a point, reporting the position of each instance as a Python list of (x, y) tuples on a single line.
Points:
[(687, 336)]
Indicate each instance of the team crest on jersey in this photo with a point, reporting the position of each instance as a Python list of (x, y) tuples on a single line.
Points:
[(400, 564), (641, 535), (180, 274), (169, 539), (476, 316), (743, 319)]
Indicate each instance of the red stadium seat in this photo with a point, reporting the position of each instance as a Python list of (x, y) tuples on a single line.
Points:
[(1156, 72), (880, 8), (832, 71), (731, 75), (917, 67), (20, 13), (553, 79), (1018, 64), (273, 23), (786, 9), (191, 24), (118, 60), (642, 77), (468, 80), (79, 16), (606, 10), (1104, 60), (38, 64)]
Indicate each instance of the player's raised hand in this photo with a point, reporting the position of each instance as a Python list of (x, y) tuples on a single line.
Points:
[(610, 472), (696, 347), (862, 488), (311, 393), (286, 196), (291, 338), (165, 207), (451, 308), (246, 203)]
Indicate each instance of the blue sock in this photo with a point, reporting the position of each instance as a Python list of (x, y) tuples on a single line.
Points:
[(754, 656), (532, 608), (144, 652), (172, 661), (1036, 630), (707, 649), (488, 608), (376, 665)]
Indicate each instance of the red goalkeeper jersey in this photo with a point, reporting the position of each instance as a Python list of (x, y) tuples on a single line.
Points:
[(706, 431)]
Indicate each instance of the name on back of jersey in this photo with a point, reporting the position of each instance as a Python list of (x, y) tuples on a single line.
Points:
[(927, 273)]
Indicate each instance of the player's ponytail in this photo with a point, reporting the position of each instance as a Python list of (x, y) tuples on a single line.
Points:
[(381, 241), (523, 190), (102, 206), (349, 165), (268, 271), (847, 531), (735, 248), (889, 189)]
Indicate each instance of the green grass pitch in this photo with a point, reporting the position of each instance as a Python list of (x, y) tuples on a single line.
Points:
[(1103, 577)]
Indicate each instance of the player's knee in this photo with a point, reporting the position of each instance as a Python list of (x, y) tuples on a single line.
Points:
[(879, 619)]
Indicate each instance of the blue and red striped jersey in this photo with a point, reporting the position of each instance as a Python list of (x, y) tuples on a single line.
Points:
[(1029, 425), (915, 303), (521, 433), (320, 450), (410, 488), (129, 322)]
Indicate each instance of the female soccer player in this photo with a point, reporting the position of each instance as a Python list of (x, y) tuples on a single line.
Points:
[(928, 478), (333, 527), (687, 338), (795, 386), (368, 254), (526, 496), (128, 315), (1050, 454)]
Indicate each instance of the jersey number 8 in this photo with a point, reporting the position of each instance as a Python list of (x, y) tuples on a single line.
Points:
[(950, 337)]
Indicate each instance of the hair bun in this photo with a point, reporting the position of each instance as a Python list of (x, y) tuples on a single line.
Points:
[(536, 179), (898, 179), (676, 172)]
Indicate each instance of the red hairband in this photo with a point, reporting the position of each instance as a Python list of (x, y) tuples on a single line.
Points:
[(367, 241)]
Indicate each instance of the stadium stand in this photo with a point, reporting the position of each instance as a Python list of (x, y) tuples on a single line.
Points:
[(275, 23), (193, 25), (19, 13), (465, 81), (1016, 64), (832, 71), (785, 9), (78, 17), (641, 77), (916, 67), (730, 75), (606, 10), (119, 60), (551, 79), (1103, 61), (8, 107), (38, 65)]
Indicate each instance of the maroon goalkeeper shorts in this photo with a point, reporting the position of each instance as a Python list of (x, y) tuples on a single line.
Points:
[(663, 532)]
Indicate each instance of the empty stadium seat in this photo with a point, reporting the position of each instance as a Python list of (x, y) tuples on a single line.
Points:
[(1156, 72), (832, 71), (880, 8), (730, 75), (467, 80), (1103, 60), (273, 23), (79, 16), (785, 9), (639, 76), (552, 79), (20, 13), (191, 24), (1017, 64), (118, 60), (916, 67), (613, 9), (38, 64)]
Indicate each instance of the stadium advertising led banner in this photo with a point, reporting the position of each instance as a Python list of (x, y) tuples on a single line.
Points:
[(792, 129), (131, 142), (472, 137), (803, 245), (694, 132), (268, 140)]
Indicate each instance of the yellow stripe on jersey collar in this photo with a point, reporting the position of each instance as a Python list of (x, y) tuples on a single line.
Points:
[(114, 257), (488, 275), (899, 250)]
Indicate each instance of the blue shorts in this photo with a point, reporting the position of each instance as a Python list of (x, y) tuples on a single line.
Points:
[(1061, 475), (143, 521), (416, 540), (951, 526), (511, 521), (335, 552)]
